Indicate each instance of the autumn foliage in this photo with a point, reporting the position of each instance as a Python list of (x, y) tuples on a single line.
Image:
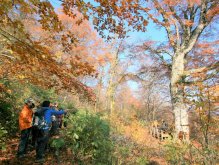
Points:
[(51, 50), (84, 54)]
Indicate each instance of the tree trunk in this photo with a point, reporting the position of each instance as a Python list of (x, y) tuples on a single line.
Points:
[(111, 98), (98, 90), (112, 103), (179, 107), (113, 83)]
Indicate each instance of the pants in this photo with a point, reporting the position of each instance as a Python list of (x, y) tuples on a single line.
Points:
[(22, 148), (42, 142), (55, 128), (35, 134)]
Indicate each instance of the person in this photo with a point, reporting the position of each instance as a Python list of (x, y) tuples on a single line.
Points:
[(164, 126), (58, 118), (25, 124), (34, 129), (43, 137), (55, 122)]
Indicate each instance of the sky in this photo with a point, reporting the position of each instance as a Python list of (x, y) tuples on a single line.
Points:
[(152, 33)]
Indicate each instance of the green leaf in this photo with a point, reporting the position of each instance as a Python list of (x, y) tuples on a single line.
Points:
[(76, 136), (58, 143)]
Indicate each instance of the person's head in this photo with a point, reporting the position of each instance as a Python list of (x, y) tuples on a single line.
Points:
[(56, 105), (46, 104), (30, 103)]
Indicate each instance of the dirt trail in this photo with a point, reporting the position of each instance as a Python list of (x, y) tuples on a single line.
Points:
[(135, 132), (141, 136), (8, 157)]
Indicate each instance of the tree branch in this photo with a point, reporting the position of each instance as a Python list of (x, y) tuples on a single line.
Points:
[(6, 55), (202, 69), (174, 44), (159, 53), (25, 44), (177, 18), (187, 47), (130, 76)]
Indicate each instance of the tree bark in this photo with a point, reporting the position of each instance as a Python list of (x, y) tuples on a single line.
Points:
[(111, 98), (98, 90), (179, 107)]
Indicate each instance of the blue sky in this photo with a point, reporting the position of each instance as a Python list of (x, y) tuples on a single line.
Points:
[(152, 33)]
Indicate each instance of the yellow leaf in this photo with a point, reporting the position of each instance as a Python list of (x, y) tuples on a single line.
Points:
[(20, 76), (58, 54)]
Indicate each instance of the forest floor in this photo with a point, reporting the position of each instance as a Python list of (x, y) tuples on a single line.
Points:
[(8, 157), (139, 135)]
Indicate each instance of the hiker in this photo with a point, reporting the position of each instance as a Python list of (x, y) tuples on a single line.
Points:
[(25, 124), (55, 122), (59, 118), (35, 130), (164, 126), (46, 112), (61, 121)]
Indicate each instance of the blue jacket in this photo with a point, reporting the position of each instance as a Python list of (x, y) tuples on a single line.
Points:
[(48, 112)]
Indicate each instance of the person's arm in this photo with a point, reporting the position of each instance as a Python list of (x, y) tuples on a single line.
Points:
[(54, 112)]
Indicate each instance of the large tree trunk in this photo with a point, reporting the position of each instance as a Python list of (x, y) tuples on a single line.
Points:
[(111, 97), (179, 107), (113, 83), (98, 91)]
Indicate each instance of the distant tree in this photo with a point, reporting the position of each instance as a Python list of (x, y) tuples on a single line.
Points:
[(153, 95)]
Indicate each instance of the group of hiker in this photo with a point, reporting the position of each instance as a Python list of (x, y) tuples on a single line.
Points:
[(163, 126), (159, 130), (41, 122)]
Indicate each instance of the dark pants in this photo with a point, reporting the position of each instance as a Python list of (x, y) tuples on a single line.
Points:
[(35, 134), (22, 148), (42, 142), (55, 128)]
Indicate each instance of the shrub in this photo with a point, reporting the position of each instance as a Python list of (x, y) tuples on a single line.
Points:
[(89, 138), (175, 153), (12, 98), (3, 134), (179, 153), (8, 118)]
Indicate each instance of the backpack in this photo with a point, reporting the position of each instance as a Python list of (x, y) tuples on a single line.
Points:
[(39, 120)]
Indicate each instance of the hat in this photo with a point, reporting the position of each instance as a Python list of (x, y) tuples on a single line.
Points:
[(29, 100)]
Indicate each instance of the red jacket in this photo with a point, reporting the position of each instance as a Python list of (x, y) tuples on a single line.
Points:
[(25, 118)]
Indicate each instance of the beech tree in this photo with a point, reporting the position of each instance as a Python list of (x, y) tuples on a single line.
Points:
[(120, 71), (115, 76)]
